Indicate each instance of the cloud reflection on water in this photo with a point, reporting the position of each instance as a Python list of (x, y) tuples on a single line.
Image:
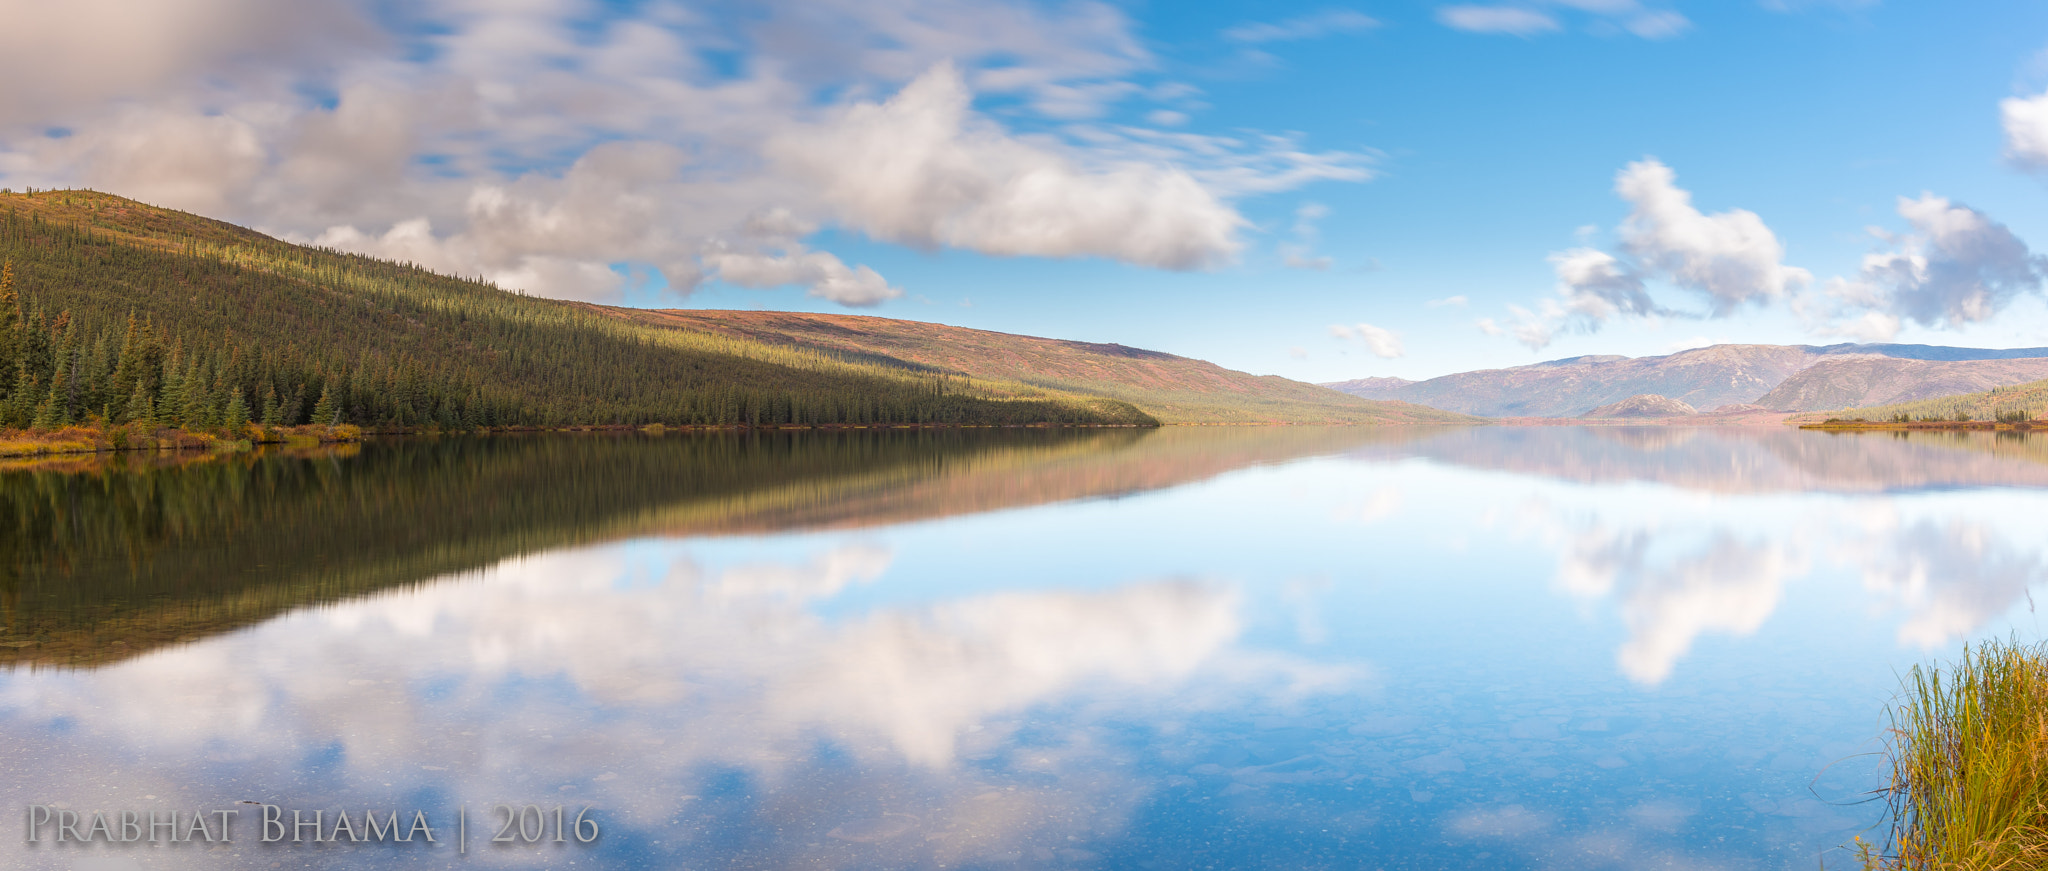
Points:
[(1686, 534), (697, 677)]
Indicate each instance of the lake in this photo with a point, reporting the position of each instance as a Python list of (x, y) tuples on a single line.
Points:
[(1203, 647)]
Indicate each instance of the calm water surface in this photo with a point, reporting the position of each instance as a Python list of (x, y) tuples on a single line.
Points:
[(1190, 648)]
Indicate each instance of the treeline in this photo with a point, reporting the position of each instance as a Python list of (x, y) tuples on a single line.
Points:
[(115, 313)]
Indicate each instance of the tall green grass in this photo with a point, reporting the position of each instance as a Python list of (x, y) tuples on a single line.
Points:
[(1969, 753)]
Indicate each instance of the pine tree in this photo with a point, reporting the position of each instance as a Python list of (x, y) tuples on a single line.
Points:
[(272, 413)]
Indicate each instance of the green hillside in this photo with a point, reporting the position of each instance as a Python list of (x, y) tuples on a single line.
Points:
[(120, 312), (2019, 402)]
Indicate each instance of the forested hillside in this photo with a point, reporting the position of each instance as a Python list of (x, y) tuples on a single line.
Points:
[(115, 312), (2015, 404)]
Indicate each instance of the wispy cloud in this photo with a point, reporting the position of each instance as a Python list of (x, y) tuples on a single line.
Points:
[(1300, 254), (1324, 23), (1512, 20), (1538, 17), (1383, 343)]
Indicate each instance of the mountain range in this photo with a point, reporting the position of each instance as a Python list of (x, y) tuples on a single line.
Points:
[(1776, 377)]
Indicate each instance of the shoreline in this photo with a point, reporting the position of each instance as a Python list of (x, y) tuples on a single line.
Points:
[(86, 440)]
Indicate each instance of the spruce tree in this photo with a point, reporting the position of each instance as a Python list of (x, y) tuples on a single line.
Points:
[(10, 320), (324, 412), (273, 414), (194, 413), (55, 412), (170, 402), (236, 418), (20, 407), (141, 408)]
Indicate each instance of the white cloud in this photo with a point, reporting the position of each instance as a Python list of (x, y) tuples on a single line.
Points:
[(1597, 286), (1383, 343), (1302, 27), (1730, 257), (825, 275), (923, 170), (1955, 267), (2026, 130), (1460, 301), (541, 144), (1511, 20)]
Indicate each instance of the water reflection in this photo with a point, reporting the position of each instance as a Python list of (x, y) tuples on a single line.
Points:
[(717, 686), (1492, 648), (100, 559)]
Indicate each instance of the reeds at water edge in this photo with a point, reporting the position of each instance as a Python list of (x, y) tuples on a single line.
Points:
[(1969, 754)]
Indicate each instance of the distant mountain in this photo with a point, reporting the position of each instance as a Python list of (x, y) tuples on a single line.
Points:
[(1172, 388), (1712, 377), (1643, 405)]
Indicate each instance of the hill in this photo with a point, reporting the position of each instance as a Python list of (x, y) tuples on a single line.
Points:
[(1643, 405), (1709, 377), (2018, 402), (1172, 388), (125, 313)]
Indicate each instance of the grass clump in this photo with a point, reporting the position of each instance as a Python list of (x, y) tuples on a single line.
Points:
[(1970, 764)]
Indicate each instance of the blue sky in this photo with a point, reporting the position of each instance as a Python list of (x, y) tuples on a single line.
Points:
[(1322, 191)]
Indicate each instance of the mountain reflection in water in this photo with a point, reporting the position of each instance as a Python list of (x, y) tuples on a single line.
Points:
[(1280, 647)]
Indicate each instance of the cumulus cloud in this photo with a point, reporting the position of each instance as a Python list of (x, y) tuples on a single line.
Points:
[(1955, 267), (1323, 23), (2026, 130), (1726, 259), (542, 145), (1730, 257), (1383, 343), (1597, 285), (923, 170), (825, 275)]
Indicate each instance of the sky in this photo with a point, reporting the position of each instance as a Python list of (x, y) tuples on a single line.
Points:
[(1320, 191)]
